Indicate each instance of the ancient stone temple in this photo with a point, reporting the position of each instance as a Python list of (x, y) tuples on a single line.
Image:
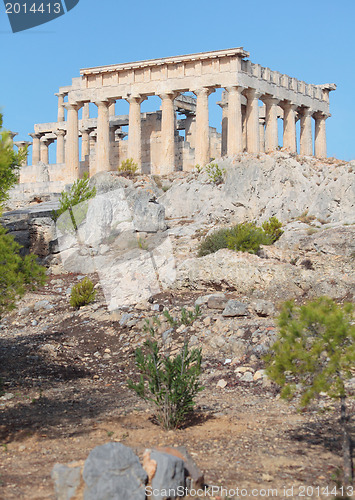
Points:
[(254, 99)]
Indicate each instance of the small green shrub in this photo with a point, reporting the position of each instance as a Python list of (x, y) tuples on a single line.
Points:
[(79, 193), (214, 172), (82, 294), (244, 237), (170, 383), (128, 165), (272, 228)]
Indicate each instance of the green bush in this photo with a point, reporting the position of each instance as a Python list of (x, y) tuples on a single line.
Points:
[(272, 228), (244, 237), (82, 294), (214, 172), (17, 274), (79, 193), (128, 165), (171, 383), (314, 354)]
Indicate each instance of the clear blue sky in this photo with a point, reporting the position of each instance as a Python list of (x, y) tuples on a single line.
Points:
[(312, 40)]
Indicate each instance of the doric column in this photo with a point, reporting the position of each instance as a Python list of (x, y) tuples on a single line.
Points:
[(36, 148), (235, 124), (202, 147), (320, 140), (20, 145), (271, 129), (72, 142), (45, 143), (252, 121), (135, 129), (103, 138), (306, 143), (167, 156), (262, 134), (224, 141), (60, 145), (61, 110), (289, 135)]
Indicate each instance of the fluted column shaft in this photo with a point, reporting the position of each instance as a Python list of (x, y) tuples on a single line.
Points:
[(103, 138), (271, 130), (72, 142), (45, 143), (60, 146), (306, 143), (320, 140), (36, 148), (289, 135), (61, 109), (252, 121), (135, 129), (262, 134), (167, 156), (202, 146), (235, 124)]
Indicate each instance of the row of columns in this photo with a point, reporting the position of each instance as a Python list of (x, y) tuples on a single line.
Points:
[(251, 135)]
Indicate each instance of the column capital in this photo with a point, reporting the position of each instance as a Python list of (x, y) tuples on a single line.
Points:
[(61, 94), (35, 135), (305, 111), (169, 95), (104, 102), (59, 132), (319, 115), (288, 105), (270, 100), (238, 88), (69, 106), (252, 93), (135, 99), (47, 140), (22, 144), (206, 91)]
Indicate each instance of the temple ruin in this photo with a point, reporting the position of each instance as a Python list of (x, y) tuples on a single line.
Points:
[(254, 98)]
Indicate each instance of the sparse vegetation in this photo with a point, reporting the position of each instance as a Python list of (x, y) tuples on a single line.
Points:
[(82, 294), (214, 172), (79, 194), (314, 354), (171, 383), (244, 237), (128, 166)]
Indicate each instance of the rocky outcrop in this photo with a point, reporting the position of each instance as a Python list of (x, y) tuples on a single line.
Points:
[(257, 187)]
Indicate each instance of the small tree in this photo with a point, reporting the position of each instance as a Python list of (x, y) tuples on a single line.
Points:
[(9, 163), (17, 273), (170, 383), (315, 353), (80, 192)]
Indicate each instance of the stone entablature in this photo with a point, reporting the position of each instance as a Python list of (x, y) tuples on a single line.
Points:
[(153, 138)]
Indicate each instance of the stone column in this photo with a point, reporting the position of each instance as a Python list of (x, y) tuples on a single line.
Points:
[(289, 135), (135, 129), (271, 129), (320, 140), (202, 147), (20, 145), (103, 138), (235, 123), (36, 148), (72, 142), (224, 141), (167, 156), (45, 143), (60, 145), (262, 134), (306, 143), (61, 110), (252, 121)]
